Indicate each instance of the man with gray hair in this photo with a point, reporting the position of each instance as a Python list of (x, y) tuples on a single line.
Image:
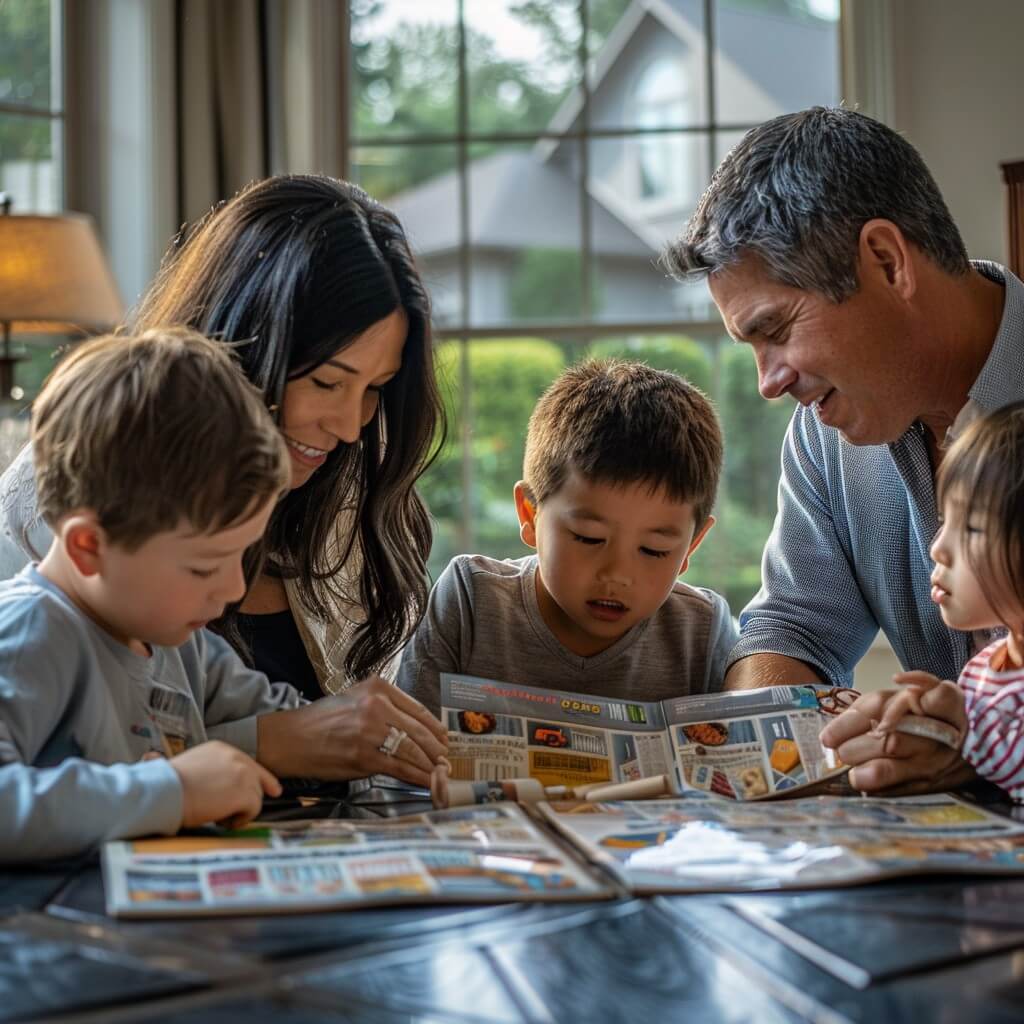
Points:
[(829, 250)]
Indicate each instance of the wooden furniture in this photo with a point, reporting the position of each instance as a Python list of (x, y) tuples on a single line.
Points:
[(1013, 175)]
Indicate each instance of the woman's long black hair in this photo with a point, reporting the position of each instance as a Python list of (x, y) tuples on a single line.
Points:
[(293, 269)]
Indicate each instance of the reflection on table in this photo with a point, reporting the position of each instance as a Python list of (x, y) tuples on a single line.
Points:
[(917, 950)]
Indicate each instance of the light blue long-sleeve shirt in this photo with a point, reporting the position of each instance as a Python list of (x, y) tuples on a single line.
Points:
[(78, 710), (849, 550)]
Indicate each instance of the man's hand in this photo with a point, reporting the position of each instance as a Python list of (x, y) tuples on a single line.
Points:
[(220, 783), (339, 737), (883, 758)]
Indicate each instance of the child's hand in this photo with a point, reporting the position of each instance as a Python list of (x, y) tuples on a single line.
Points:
[(910, 701), (220, 783)]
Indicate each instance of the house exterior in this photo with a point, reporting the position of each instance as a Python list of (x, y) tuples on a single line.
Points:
[(525, 205)]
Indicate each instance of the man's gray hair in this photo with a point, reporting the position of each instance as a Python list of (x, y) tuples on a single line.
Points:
[(797, 190)]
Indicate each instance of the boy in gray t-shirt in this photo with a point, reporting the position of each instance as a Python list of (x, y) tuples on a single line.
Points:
[(157, 466), (620, 473)]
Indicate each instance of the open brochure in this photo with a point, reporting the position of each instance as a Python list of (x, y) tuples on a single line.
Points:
[(576, 850), (746, 745), (699, 842), (472, 854)]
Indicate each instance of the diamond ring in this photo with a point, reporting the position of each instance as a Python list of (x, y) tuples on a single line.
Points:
[(393, 741)]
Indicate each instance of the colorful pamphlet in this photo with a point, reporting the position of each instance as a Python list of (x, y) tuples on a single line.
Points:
[(702, 843), (471, 854), (575, 850), (745, 745), (723, 755)]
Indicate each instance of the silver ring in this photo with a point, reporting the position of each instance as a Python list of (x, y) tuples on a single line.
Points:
[(393, 741)]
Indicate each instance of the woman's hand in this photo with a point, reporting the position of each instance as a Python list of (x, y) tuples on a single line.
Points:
[(340, 737), (864, 736)]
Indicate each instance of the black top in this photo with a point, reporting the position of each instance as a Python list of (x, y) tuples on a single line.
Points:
[(277, 650)]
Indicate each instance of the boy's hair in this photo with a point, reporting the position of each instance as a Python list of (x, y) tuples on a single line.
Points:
[(152, 430), (620, 422), (985, 468)]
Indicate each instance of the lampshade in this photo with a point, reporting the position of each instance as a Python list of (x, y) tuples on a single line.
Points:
[(53, 275)]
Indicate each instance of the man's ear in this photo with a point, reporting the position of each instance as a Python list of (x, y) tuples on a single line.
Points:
[(695, 543), (527, 513), (84, 541), (885, 255)]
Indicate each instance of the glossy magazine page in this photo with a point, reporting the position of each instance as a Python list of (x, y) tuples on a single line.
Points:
[(746, 745), (704, 843), (472, 854)]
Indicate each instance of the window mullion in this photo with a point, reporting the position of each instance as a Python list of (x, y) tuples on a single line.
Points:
[(467, 531)]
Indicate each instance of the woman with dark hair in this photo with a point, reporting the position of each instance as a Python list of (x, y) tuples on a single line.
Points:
[(314, 284)]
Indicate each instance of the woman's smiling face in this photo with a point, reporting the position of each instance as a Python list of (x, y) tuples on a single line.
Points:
[(331, 404)]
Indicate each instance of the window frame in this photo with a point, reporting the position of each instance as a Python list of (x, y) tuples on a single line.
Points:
[(56, 111), (587, 328), (644, 107)]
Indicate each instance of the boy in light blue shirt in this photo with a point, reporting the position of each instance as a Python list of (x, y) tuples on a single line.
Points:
[(157, 467)]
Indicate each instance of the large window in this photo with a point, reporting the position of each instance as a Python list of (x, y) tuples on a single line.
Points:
[(31, 166), (541, 153), (665, 170), (31, 105)]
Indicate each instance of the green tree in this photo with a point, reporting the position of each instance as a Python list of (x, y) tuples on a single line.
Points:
[(406, 83), (508, 376), (730, 559), (559, 24), (664, 352), (546, 284), (754, 429), (25, 78)]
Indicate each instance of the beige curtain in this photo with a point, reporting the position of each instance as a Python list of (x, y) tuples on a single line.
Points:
[(261, 90), (222, 112)]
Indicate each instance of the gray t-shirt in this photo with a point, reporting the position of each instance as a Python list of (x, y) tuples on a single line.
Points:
[(78, 710), (483, 620)]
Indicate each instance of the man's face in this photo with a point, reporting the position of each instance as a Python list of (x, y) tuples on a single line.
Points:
[(851, 361)]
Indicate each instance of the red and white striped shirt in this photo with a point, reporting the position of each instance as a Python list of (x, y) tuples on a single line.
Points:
[(994, 701)]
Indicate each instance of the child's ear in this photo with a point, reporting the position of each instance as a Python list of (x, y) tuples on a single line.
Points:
[(527, 512), (695, 543), (83, 540)]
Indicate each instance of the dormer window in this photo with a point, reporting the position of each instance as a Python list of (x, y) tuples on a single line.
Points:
[(663, 99)]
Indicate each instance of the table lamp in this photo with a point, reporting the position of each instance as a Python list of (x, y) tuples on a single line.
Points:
[(53, 278)]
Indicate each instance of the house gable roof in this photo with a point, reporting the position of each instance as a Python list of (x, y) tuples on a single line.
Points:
[(515, 202), (799, 62)]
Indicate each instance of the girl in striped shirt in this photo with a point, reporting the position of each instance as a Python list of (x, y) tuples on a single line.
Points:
[(978, 584)]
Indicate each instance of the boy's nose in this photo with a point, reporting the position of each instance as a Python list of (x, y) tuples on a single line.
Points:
[(614, 570), (233, 588)]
